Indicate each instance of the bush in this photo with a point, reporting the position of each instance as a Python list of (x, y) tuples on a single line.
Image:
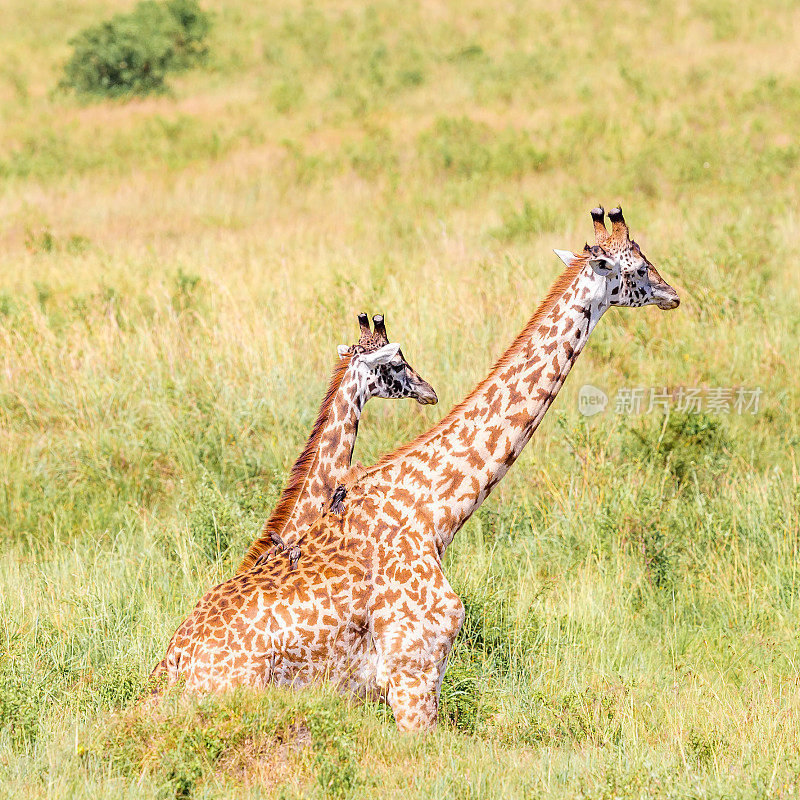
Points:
[(689, 445), (130, 54), (460, 699)]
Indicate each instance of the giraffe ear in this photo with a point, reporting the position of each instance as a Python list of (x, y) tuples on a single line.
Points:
[(565, 255), (342, 350), (382, 356)]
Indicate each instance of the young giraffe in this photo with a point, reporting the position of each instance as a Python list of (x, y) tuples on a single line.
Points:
[(370, 368), (368, 606)]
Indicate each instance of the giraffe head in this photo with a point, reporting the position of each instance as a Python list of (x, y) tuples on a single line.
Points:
[(381, 366), (631, 280)]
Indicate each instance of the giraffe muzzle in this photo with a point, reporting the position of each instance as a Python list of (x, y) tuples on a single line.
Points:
[(425, 395), (666, 297)]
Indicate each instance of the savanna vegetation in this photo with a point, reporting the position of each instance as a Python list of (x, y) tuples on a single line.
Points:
[(176, 272)]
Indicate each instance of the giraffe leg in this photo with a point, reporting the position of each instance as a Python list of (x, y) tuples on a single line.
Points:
[(414, 698), (413, 652)]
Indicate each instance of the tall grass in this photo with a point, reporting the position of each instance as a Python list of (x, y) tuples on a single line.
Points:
[(175, 274)]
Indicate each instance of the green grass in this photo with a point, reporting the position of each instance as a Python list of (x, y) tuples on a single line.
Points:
[(175, 274)]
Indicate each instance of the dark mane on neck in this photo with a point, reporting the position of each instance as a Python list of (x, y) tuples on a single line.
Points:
[(557, 290), (299, 473)]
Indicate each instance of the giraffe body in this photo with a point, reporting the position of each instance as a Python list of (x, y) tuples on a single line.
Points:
[(369, 607), (334, 617)]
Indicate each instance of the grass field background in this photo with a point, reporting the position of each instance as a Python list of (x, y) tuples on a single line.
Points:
[(175, 275)]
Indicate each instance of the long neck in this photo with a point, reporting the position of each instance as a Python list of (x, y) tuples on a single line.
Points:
[(457, 464), (322, 464), (334, 450)]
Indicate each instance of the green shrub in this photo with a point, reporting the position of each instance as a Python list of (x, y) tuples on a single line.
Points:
[(19, 711), (117, 684), (332, 738), (704, 747), (8, 305), (131, 54), (586, 715), (494, 643), (494, 633), (686, 444), (180, 749), (187, 290)]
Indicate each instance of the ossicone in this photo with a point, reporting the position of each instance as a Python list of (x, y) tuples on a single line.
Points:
[(619, 230), (380, 327), (598, 220)]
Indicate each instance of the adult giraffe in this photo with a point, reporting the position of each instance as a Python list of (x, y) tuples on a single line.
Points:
[(368, 606)]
